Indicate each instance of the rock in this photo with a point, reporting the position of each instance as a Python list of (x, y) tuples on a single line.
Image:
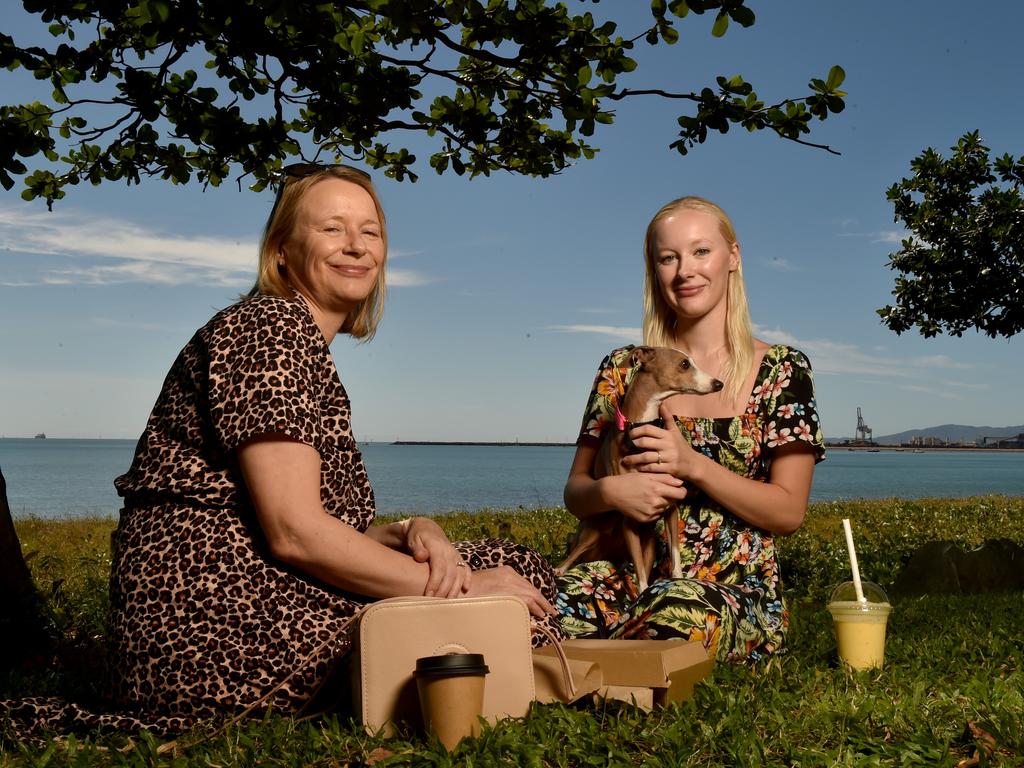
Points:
[(942, 568), (931, 570)]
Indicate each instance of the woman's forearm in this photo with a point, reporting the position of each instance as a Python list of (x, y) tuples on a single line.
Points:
[(283, 479), (584, 496), (336, 553), (778, 505), (392, 535)]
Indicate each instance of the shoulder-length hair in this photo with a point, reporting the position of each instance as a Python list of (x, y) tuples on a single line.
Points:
[(272, 279), (660, 319)]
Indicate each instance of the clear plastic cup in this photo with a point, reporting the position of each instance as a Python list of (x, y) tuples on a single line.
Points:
[(860, 627)]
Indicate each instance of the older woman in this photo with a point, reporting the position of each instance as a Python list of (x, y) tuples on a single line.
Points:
[(737, 463), (246, 540)]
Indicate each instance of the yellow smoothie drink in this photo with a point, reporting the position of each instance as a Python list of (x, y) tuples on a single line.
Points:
[(860, 626)]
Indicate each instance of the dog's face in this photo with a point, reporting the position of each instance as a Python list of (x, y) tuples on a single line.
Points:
[(674, 371)]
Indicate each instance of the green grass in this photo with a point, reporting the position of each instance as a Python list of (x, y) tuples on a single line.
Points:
[(953, 670)]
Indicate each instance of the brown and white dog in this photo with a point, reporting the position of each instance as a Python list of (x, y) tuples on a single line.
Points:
[(663, 372)]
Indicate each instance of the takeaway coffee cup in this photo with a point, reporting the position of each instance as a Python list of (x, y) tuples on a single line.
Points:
[(451, 689), (860, 626)]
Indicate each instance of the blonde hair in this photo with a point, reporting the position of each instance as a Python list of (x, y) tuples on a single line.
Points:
[(271, 278), (660, 319)]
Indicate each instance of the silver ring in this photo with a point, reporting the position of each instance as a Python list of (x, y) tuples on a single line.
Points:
[(461, 564)]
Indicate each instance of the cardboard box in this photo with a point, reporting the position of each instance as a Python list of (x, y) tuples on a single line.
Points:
[(639, 697), (549, 680), (655, 671)]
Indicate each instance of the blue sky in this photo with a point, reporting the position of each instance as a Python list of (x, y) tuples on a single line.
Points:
[(506, 292)]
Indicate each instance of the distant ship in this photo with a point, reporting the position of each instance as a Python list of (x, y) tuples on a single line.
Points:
[(41, 436)]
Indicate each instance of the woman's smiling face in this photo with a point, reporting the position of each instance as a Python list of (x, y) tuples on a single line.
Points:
[(336, 250), (693, 261)]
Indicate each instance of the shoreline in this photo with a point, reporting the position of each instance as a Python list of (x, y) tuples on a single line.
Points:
[(499, 443), (555, 444), (918, 449)]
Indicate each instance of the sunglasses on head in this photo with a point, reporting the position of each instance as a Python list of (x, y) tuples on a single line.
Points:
[(301, 170)]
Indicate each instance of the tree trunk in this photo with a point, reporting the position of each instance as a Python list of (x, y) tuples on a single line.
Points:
[(24, 629)]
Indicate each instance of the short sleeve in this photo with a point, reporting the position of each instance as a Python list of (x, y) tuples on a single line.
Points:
[(790, 407), (262, 374), (613, 376)]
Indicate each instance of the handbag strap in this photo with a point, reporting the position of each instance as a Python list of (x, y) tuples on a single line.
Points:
[(556, 644), (345, 626)]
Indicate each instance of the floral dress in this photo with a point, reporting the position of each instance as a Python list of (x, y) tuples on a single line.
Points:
[(730, 596)]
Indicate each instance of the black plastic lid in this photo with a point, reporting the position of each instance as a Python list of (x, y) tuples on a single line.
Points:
[(452, 664)]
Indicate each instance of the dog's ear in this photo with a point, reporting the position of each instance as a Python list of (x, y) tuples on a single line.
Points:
[(643, 355)]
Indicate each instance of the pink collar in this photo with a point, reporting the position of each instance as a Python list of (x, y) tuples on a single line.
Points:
[(620, 419)]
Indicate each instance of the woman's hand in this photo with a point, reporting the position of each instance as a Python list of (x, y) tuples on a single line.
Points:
[(504, 580), (427, 543), (643, 497), (664, 450)]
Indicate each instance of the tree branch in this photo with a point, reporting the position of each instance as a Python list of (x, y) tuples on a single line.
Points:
[(796, 140), (477, 53), (626, 93)]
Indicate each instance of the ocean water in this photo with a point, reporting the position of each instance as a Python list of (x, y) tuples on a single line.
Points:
[(69, 478)]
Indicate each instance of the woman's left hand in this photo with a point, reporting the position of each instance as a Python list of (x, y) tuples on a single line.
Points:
[(450, 576), (664, 450)]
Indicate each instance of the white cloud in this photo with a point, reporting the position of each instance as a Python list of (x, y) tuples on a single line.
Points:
[(977, 386), (883, 236), (115, 251), (619, 333), (933, 391), (139, 254), (406, 278), (832, 357), (780, 265), (939, 361), (890, 236)]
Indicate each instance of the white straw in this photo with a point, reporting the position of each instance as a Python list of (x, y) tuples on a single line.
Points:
[(853, 561)]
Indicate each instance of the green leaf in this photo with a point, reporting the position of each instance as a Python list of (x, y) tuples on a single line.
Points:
[(679, 8), (160, 10), (584, 75), (742, 16), (836, 76), (721, 24)]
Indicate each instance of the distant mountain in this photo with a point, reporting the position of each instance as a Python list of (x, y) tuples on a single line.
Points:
[(951, 433)]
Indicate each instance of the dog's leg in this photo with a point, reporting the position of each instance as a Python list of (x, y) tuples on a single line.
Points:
[(634, 544), (672, 527), (593, 541), (586, 537)]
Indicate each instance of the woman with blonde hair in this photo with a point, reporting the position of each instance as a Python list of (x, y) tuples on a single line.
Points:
[(737, 463), (245, 543)]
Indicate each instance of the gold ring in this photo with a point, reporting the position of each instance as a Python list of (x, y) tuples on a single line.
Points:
[(461, 564), (659, 456)]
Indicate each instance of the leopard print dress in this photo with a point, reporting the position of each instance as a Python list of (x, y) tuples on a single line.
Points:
[(203, 621)]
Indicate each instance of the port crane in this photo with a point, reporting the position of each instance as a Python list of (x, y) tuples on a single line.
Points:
[(863, 430)]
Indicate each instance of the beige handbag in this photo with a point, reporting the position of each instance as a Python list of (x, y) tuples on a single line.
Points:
[(393, 633)]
